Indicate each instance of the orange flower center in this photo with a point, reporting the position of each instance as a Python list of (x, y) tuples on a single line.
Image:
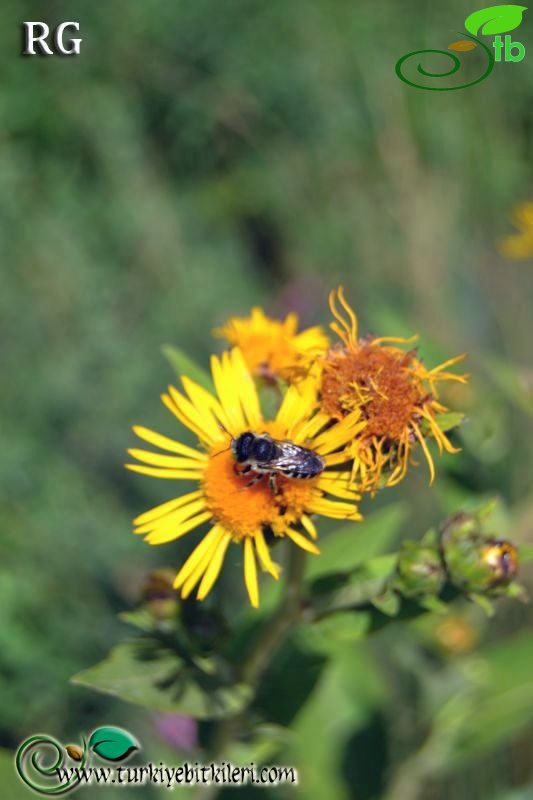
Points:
[(268, 353), (377, 380), (243, 509)]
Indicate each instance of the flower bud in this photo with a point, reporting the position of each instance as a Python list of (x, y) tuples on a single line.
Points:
[(159, 594), (419, 571), (501, 557), (477, 563)]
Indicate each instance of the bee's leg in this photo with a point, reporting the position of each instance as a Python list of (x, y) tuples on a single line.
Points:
[(254, 480), (273, 482), (247, 468)]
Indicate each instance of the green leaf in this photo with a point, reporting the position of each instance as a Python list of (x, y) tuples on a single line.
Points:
[(270, 397), (517, 591), (162, 681), (430, 538), (113, 744), (183, 365), (263, 745), (289, 681), (354, 543), (513, 381), (12, 786), (434, 605), (483, 602), (388, 603), (452, 419), (495, 19), (328, 634), (139, 618), (526, 553), (503, 671), (360, 588), (348, 693)]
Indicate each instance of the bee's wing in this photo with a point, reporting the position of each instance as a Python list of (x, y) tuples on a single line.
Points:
[(289, 455)]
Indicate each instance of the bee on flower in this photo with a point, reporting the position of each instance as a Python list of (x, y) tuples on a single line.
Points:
[(242, 505), (274, 348), (395, 393)]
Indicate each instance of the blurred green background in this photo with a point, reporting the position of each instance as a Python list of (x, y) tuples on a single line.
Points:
[(195, 160)]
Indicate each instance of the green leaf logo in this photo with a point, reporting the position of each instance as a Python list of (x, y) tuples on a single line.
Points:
[(495, 19), (112, 744)]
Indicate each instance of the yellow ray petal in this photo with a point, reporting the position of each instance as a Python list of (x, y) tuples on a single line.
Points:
[(190, 423), (155, 472), (449, 376), (160, 460), (335, 459), (310, 428), (290, 323), (302, 542), (203, 419), (264, 555), (336, 328), (314, 340), (426, 452), (168, 535), (215, 565), (197, 574), (205, 402), (338, 487), (346, 331), (175, 517), (309, 526), (248, 392), (228, 391), (404, 450), (166, 444), (352, 328), (165, 508), (441, 438), (208, 543), (250, 572), (340, 434), (396, 339), (447, 363), (296, 406), (333, 509), (344, 490)]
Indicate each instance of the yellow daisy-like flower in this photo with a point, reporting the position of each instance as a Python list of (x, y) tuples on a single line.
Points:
[(394, 391), (236, 511), (273, 348)]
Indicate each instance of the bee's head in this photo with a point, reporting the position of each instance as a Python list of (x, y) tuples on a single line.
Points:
[(247, 446), (241, 446)]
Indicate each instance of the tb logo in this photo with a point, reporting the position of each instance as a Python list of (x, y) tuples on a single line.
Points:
[(35, 35), (509, 47)]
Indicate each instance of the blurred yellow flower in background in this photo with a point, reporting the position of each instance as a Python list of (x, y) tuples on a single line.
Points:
[(519, 245), (239, 512), (273, 348), (394, 391), (456, 634)]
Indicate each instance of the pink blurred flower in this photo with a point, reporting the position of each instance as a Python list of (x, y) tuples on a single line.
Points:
[(178, 731)]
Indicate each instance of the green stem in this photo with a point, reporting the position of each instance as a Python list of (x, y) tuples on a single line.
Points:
[(271, 639), (280, 624)]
